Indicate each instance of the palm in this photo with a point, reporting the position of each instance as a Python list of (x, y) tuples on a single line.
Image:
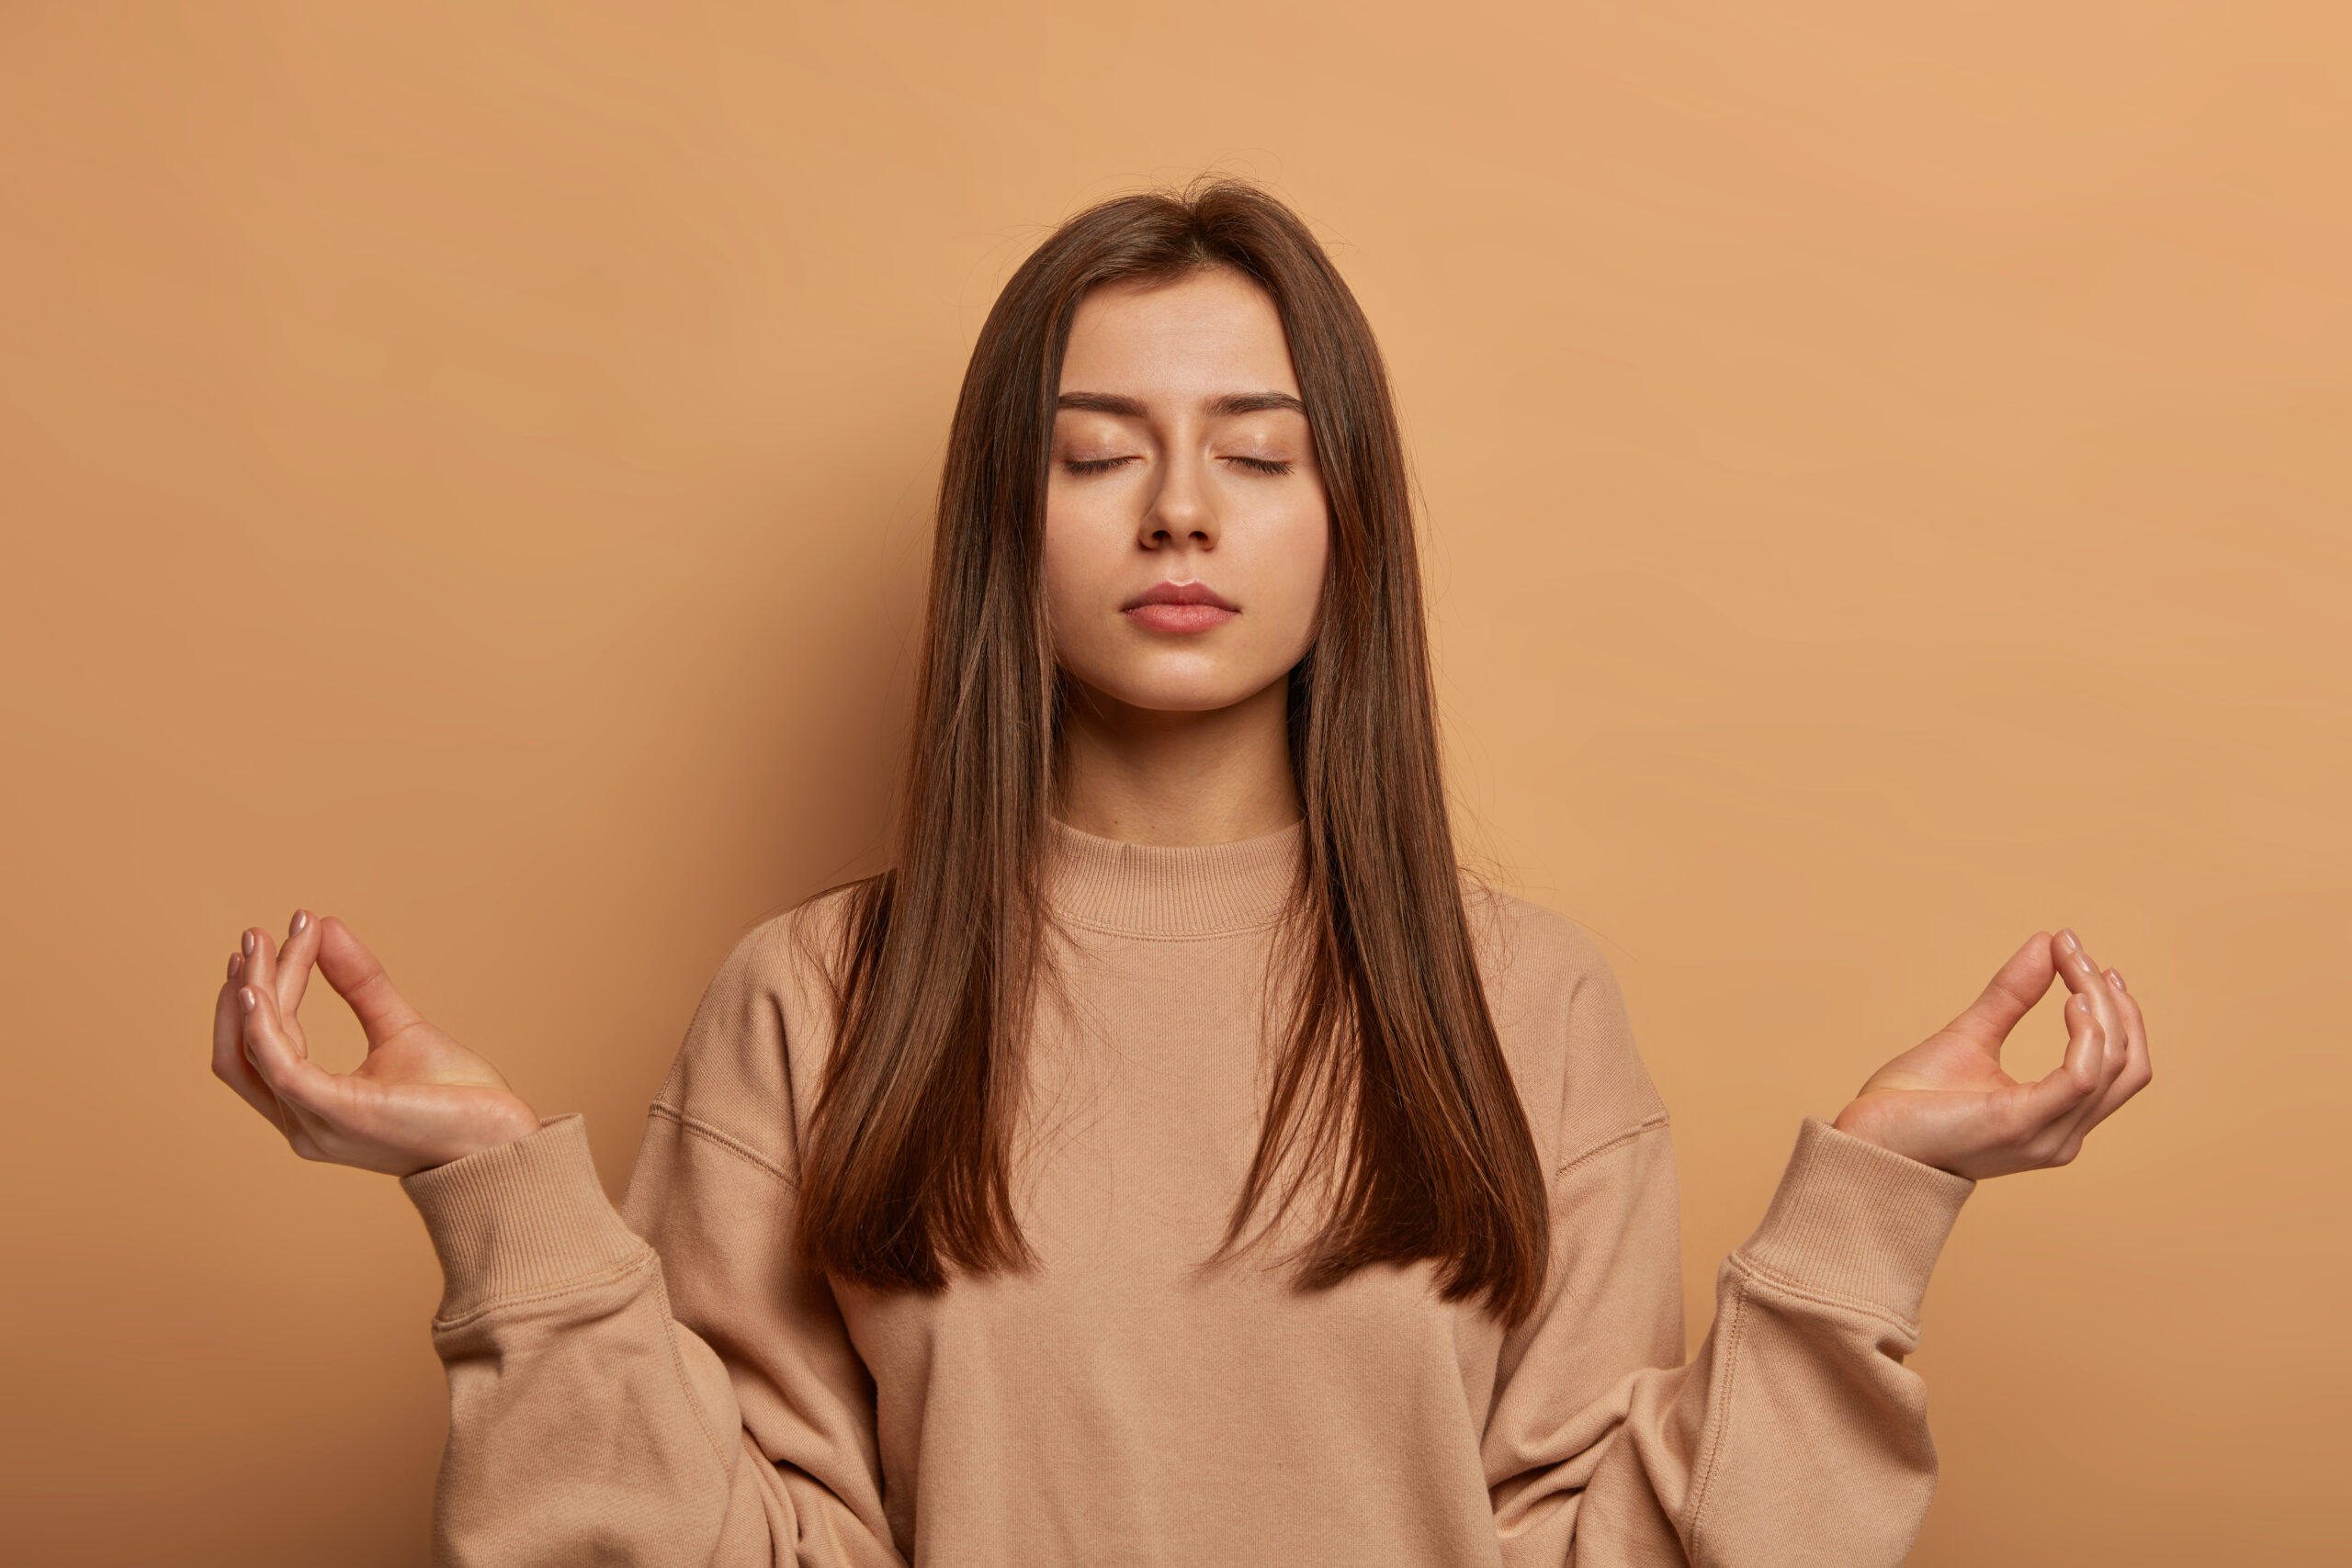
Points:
[(420, 1099), (1953, 1060), (1947, 1102), (420, 1057)]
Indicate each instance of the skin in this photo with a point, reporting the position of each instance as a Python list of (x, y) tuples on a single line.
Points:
[(1175, 461), (1169, 468)]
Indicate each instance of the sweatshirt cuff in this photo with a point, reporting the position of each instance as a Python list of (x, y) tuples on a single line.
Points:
[(1854, 1219), (522, 1219)]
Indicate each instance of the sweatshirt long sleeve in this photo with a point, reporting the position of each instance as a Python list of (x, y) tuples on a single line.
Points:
[(663, 1384)]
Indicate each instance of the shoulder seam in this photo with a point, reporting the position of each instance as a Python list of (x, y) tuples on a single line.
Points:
[(710, 1134), (1653, 1122)]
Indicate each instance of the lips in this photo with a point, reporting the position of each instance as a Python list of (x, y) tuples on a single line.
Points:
[(1180, 607)]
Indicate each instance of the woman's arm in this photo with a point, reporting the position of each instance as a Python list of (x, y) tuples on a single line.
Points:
[(1796, 1435), (593, 1413)]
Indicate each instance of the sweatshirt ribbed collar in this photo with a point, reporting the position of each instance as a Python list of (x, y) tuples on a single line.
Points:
[(1152, 890)]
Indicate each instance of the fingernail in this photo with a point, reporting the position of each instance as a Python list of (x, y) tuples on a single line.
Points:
[(2116, 975), (2068, 941), (302, 919), (249, 944), (246, 1000), (236, 962)]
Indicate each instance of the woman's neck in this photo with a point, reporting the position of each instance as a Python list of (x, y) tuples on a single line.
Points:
[(1148, 777)]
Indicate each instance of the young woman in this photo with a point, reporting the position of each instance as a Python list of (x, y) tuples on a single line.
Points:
[(1172, 1160)]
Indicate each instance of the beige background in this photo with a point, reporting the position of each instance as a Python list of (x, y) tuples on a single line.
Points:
[(464, 466)]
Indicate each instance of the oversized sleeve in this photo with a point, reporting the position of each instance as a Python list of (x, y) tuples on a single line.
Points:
[(1796, 1435), (659, 1385)]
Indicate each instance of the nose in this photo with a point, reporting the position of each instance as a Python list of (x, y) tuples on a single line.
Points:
[(1182, 510)]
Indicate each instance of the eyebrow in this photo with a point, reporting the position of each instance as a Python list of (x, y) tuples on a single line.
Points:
[(1132, 408)]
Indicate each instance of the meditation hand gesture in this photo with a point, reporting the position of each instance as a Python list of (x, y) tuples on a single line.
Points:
[(419, 1100), (1946, 1102)]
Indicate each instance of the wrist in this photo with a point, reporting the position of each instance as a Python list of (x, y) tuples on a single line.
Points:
[(1856, 1122), (1865, 1118), (521, 1123), (510, 1124), (1880, 1119)]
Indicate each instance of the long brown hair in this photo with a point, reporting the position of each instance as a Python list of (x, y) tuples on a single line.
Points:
[(1391, 1082)]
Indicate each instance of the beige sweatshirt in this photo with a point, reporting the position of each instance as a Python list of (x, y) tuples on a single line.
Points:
[(662, 1385)]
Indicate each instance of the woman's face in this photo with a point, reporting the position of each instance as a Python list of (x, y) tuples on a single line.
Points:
[(1186, 522)]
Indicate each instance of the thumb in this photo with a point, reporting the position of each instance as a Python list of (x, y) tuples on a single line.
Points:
[(2010, 995), (359, 979)]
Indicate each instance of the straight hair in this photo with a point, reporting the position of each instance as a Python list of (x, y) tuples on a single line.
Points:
[(1390, 1081)]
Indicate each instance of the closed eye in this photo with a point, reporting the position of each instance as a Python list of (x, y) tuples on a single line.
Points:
[(1261, 465), (1094, 464)]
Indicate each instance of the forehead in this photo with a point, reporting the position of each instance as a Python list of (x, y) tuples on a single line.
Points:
[(1207, 333)]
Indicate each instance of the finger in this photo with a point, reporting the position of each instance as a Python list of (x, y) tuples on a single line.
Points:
[(229, 1064), (2051, 1104), (298, 1083), (2136, 1072), (294, 961), (2014, 989), (2083, 977), (361, 980), (2080, 974), (264, 965), (261, 959)]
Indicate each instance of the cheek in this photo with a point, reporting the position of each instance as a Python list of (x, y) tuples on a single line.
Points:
[(1293, 583), (1080, 571)]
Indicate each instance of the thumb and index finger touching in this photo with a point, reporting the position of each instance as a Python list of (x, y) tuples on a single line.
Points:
[(273, 983), (2094, 1024)]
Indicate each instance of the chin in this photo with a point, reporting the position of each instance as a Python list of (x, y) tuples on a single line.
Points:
[(1188, 693), (1186, 700)]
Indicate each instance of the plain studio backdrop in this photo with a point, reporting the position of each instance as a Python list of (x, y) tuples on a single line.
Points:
[(466, 467)]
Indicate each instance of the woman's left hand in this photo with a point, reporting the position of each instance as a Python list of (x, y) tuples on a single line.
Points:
[(1946, 1102)]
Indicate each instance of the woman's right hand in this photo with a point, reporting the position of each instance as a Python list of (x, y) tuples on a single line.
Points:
[(420, 1099)]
